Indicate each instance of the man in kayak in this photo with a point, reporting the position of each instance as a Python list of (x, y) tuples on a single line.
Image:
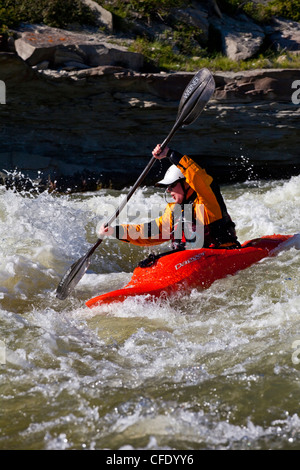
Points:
[(190, 187)]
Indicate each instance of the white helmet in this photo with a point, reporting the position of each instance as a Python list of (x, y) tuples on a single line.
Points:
[(172, 175)]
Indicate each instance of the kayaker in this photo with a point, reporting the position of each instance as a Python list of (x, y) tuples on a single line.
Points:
[(189, 185)]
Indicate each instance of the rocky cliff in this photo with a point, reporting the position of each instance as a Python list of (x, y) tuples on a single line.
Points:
[(88, 124)]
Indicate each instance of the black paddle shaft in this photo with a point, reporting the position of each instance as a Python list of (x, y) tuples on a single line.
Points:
[(194, 98)]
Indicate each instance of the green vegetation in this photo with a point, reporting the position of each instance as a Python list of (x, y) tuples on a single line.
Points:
[(263, 11), (54, 13), (178, 48), (258, 10), (8, 16), (146, 9), (163, 56)]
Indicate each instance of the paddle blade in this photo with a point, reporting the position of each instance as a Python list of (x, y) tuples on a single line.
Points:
[(196, 95), (72, 277), (194, 98)]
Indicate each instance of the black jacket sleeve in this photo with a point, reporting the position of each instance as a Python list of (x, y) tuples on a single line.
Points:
[(174, 156)]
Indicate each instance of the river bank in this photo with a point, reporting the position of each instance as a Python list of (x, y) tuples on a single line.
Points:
[(85, 105), (82, 129)]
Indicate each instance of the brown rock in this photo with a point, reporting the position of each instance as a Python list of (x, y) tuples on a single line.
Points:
[(38, 44), (94, 124)]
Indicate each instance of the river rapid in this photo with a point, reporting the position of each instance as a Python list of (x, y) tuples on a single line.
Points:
[(215, 369)]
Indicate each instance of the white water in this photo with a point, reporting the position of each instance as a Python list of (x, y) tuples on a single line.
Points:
[(212, 370)]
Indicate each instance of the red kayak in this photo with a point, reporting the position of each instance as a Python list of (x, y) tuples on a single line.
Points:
[(190, 269)]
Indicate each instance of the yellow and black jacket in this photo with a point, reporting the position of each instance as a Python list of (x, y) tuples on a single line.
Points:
[(219, 230)]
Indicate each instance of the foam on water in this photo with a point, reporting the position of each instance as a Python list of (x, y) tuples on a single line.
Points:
[(212, 369), (266, 208)]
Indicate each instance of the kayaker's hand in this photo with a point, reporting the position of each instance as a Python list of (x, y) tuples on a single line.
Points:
[(105, 231), (157, 153)]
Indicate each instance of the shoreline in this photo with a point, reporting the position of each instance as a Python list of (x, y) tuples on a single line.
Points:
[(86, 128)]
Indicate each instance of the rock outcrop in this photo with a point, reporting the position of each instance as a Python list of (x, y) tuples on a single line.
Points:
[(240, 38), (96, 127), (103, 17), (283, 35), (53, 48), (82, 111), (237, 37)]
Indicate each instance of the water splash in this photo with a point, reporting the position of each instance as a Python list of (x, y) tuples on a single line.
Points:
[(210, 370)]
